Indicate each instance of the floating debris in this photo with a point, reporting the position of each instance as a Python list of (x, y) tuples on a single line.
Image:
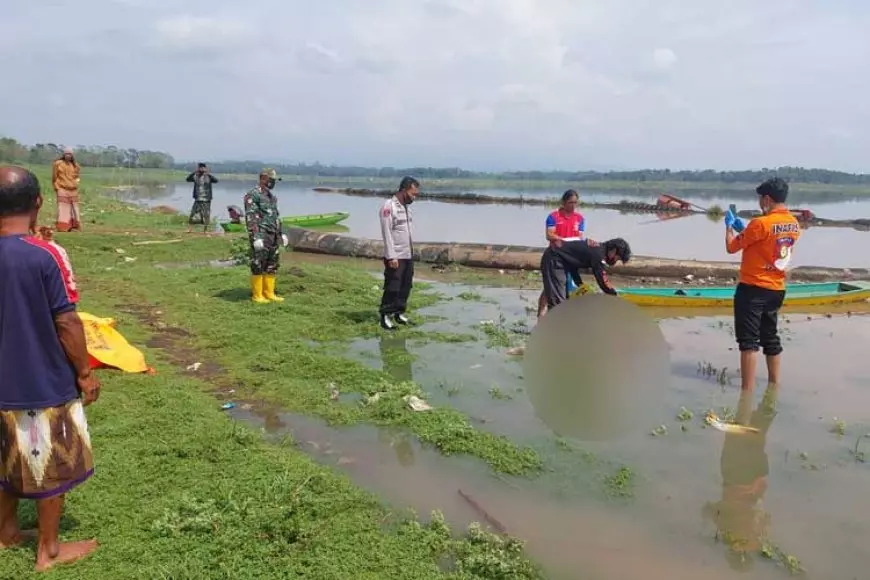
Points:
[(333, 392), (194, 367), (417, 404), (517, 351), (713, 421), (228, 406)]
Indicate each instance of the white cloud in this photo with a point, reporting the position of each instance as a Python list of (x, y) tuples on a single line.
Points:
[(664, 58), (186, 32), (475, 83)]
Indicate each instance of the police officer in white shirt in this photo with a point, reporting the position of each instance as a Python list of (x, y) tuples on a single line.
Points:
[(397, 231)]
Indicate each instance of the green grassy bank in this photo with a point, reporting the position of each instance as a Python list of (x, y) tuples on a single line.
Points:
[(181, 490)]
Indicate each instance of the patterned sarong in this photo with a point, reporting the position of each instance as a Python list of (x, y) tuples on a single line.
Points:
[(200, 213), (44, 452)]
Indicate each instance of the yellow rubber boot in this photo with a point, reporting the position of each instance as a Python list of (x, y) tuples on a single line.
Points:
[(257, 290), (269, 288)]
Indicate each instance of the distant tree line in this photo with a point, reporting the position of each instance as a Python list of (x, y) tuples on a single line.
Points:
[(792, 174), (11, 151), (111, 156)]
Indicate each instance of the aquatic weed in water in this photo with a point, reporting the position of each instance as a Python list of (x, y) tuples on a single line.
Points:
[(496, 393), (621, 483)]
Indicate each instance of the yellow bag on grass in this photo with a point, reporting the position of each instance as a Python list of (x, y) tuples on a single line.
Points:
[(108, 348)]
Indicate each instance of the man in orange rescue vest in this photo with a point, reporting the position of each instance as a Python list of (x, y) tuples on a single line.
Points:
[(767, 244)]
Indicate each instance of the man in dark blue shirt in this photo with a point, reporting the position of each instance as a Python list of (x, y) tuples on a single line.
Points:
[(45, 448)]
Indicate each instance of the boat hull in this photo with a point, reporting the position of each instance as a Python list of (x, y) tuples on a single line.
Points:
[(821, 294), (298, 221)]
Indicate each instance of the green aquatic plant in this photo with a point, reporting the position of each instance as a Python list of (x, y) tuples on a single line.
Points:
[(621, 483), (500, 335), (685, 415), (470, 296), (776, 554), (496, 393), (659, 431), (707, 370)]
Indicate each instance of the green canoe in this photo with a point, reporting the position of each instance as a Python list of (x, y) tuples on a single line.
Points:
[(813, 294), (297, 221)]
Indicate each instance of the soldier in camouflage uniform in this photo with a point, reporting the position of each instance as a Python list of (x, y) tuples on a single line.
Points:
[(266, 237)]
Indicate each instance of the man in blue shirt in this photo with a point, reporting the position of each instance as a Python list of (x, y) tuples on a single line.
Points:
[(45, 449)]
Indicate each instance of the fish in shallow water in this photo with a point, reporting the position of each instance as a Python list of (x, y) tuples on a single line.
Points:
[(714, 421)]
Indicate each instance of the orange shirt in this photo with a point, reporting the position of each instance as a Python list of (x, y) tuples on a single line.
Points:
[(767, 244), (65, 175)]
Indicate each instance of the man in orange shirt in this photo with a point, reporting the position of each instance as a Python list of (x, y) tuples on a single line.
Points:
[(767, 244), (65, 180)]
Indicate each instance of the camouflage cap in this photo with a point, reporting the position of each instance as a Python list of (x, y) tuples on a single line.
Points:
[(269, 172)]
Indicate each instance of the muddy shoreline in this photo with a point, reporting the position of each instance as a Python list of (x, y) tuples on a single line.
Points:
[(529, 258)]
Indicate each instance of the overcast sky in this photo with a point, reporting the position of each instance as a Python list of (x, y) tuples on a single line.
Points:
[(481, 84)]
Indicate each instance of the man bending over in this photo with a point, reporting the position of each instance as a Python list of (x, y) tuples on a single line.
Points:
[(567, 259)]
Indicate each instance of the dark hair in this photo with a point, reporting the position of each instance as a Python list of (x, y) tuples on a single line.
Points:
[(775, 188), (201, 165), (623, 250), (407, 183), (569, 194), (18, 197)]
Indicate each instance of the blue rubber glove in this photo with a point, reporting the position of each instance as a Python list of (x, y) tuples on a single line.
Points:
[(732, 221), (571, 285)]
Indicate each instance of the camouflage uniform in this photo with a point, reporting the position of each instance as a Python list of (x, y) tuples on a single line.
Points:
[(264, 223)]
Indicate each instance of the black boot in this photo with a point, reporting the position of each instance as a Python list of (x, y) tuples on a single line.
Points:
[(387, 322), (403, 319)]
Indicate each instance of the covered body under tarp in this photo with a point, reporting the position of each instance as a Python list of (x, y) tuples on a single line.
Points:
[(107, 348)]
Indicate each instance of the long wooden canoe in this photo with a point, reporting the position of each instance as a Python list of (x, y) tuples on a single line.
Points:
[(817, 294), (299, 221)]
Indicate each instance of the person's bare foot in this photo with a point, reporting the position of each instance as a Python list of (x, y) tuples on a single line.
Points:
[(13, 540), (67, 553)]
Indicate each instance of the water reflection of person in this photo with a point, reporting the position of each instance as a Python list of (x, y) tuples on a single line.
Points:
[(740, 518), (395, 358), (401, 443), (272, 421)]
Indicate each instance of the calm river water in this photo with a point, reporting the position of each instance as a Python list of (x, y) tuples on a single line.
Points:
[(692, 237)]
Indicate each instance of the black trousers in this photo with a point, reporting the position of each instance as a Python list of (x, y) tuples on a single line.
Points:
[(756, 312), (555, 279), (397, 287)]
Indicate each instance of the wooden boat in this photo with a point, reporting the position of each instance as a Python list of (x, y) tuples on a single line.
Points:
[(297, 221), (673, 202), (801, 215), (815, 294)]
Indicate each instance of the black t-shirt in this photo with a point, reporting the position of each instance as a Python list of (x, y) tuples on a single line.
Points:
[(578, 255)]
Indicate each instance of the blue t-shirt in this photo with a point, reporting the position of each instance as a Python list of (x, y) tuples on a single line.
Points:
[(36, 284)]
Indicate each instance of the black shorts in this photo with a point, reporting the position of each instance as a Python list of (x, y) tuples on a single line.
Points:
[(756, 311)]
